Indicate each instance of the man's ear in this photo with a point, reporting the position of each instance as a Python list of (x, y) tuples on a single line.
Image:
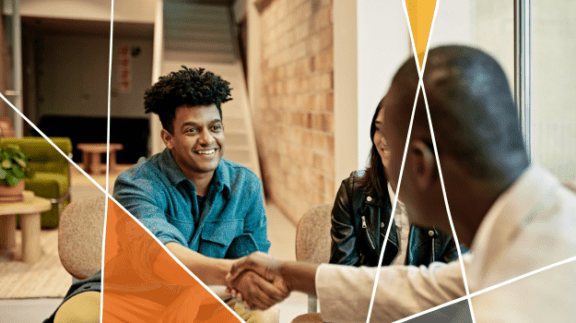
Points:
[(423, 165), (166, 138)]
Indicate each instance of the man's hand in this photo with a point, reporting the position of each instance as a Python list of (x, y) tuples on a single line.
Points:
[(256, 292), (256, 281), (258, 262), (293, 275)]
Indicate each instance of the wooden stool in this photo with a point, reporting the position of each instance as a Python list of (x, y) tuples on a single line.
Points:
[(29, 211), (91, 156)]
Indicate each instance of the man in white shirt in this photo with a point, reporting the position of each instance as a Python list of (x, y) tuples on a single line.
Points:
[(516, 217)]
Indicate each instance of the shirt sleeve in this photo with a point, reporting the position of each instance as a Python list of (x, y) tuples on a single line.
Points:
[(344, 292), (255, 222), (146, 202)]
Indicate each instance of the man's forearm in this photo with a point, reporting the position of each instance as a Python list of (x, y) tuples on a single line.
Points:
[(210, 271), (299, 276)]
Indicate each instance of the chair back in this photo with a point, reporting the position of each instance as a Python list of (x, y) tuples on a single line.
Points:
[(313, 235), (313, 243), (80, 235)]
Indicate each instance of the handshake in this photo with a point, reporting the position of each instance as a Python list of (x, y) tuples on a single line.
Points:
[(257, 282)]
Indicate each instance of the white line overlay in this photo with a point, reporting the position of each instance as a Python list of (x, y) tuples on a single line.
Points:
[(397, 193), (105, 191), (111, 47), (393, 208), (120, 205)]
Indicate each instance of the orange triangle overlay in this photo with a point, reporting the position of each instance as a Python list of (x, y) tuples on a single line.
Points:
[(143, 283), (421, 14)]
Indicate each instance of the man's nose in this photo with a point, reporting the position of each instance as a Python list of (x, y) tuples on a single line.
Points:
[(206, 137)]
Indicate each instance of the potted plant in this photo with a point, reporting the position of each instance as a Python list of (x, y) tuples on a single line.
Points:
[(13, 168)]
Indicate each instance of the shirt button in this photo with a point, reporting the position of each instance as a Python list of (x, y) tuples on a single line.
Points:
[(431, 233), (381, 224), (369, 199)]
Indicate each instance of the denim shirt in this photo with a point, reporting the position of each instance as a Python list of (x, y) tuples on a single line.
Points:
[(160, 196)]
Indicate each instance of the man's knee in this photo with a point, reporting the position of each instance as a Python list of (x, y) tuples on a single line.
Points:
[(84, 307)]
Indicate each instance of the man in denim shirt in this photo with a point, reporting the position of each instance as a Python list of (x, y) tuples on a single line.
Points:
[(205, 209)]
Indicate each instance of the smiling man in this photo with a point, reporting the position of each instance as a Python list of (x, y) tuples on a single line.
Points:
[(206, 210)]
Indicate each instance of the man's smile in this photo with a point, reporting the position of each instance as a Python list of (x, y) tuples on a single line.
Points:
[(206, 151)]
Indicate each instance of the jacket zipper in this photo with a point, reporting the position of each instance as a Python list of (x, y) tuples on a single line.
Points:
[(364, 226)]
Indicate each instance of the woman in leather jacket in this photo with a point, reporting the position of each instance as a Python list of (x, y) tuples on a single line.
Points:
[(361, 215)]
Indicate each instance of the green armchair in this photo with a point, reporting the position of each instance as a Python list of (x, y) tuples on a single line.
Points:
[(51, 178)]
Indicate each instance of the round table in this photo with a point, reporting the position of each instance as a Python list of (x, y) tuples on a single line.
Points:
[(29, 211)]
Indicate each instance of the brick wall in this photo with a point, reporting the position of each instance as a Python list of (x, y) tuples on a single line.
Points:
[(296, 113)]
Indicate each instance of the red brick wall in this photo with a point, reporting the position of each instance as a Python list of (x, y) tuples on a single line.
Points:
[(296, 114)]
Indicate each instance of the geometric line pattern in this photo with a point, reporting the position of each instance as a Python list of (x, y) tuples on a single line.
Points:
[(420, 17)]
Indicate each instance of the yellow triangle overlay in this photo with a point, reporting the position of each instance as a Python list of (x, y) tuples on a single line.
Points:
[(420, 13)]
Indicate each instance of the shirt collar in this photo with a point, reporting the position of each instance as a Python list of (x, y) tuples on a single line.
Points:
[(392, 196), (170, 168)]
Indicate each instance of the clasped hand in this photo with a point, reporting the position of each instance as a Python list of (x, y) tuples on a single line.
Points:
[(256, 281)]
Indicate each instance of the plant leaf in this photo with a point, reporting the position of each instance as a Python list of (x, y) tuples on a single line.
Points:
[(12, 180), (17, 171)]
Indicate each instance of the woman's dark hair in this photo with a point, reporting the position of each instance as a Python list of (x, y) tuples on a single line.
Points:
[(374, 175), (188, 86)]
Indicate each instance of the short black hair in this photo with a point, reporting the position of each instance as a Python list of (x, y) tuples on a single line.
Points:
[(473, 113), (189, 87)]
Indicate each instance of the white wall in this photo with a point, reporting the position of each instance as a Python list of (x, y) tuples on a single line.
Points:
[(383, 45), (141, 11), (455, 23), (374, 35)]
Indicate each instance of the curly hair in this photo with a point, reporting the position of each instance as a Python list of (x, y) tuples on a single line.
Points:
[(189, 87)]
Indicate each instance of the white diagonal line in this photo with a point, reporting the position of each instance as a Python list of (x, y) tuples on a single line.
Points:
[(413, 42), (119, 205), (429, 39), (107, 155), (384, 243), (412, 36), (454, 235), (50, 141), (421, 84), (485, 290)]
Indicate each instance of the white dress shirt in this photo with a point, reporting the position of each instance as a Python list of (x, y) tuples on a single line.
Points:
[(531, 225), (402, 228)]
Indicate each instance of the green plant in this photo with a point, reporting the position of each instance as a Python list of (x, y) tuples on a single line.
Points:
[(13, 166)]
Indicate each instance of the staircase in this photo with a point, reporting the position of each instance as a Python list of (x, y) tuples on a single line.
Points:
[(204, 36)]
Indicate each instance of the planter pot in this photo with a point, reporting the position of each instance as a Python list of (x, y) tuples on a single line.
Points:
[(12, 193)]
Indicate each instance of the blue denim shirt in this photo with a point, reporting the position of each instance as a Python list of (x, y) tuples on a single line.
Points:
[(233, 221)]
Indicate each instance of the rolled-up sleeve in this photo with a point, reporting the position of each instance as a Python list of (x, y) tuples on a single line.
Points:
[(344, 292)]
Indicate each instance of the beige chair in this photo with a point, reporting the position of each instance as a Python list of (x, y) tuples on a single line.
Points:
[(313, 245), (80, 235)]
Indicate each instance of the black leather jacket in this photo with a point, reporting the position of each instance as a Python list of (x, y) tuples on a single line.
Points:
[(359, 224)]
